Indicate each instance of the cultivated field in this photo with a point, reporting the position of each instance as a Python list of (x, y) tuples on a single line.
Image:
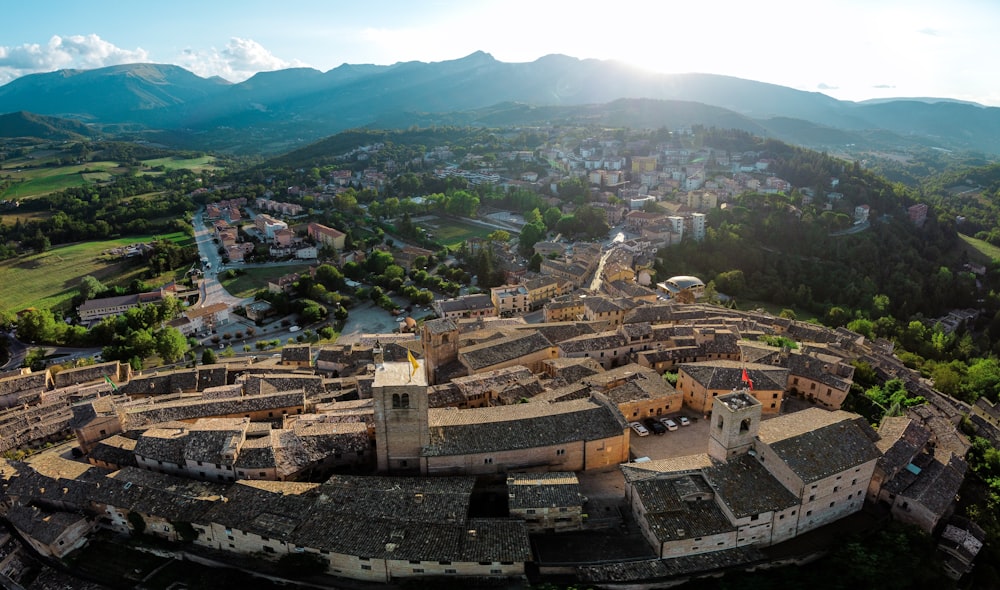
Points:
[(33, 182), (174, 163), (50, 279), (32, 178)]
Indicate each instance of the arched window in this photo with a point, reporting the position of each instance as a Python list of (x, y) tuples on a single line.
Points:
[(405, 401), (745, 425), (395, 400)]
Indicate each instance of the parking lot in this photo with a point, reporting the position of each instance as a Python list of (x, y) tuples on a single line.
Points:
[(686, 440)]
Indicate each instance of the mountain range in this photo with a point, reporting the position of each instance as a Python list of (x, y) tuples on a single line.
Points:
[(273, 110)]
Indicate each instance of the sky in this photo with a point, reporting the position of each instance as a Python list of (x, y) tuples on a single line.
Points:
[(847, 49)]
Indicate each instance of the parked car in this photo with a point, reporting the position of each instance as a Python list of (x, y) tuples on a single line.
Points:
[(639, 429), (669, 424), (684, 421), (655, 426)]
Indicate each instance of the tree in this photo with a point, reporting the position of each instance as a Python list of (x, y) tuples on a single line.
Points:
[(330, 277), (731, 283), (171, 345), (837, 317), (500, 236), (90, 287), (983, 379), (208, 357), (535, 263), (37, 325), (531, 234), (551, 217)]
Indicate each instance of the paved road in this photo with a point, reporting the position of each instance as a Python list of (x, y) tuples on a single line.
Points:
[(212, 291)]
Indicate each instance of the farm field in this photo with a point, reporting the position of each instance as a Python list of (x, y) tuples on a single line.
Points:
[(253, 279), (452, 232), (174, 163), (50, 279), (33, 182)]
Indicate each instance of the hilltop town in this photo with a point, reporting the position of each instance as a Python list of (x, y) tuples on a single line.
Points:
[(500, 370), (445, 452)]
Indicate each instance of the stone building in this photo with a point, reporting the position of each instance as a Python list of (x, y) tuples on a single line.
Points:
[(761, 482), (547, 502)]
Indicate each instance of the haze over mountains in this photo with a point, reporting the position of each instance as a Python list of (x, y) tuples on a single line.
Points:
[(273, 109)]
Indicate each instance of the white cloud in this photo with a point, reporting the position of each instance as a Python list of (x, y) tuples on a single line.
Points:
[(75, 51), (237, 61)]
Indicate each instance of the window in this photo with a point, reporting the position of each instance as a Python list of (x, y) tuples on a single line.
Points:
[(450, 571), (263, 474), (488, 461), (268, 549), (403, 463), (531, 510), (366, 567), (444, 563), (418, 570), (103, 432), (812, 497), (560, 451), (831, 504), (496, 571), (809, 512), (404, 400), (415, 561)]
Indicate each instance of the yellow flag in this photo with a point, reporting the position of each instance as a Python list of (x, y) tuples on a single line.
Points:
[(413, 361)]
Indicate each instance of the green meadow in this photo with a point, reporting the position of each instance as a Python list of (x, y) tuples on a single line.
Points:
[(50, 279)]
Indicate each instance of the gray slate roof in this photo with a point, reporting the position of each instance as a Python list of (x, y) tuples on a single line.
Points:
[(828, 450), (747, 488), (521, 426), (503, 350)]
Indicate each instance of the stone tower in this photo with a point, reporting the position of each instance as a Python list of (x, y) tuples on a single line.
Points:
[(399, 393), (440, 342), (735, 423)]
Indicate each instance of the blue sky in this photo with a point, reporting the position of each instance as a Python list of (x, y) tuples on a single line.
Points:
[(848, 49)]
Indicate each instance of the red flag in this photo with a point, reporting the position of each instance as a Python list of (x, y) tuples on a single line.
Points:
[(746, 379)]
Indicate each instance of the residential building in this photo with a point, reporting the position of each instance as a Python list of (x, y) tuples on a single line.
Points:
[(546, 502), (326, 235), (510, 300)]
